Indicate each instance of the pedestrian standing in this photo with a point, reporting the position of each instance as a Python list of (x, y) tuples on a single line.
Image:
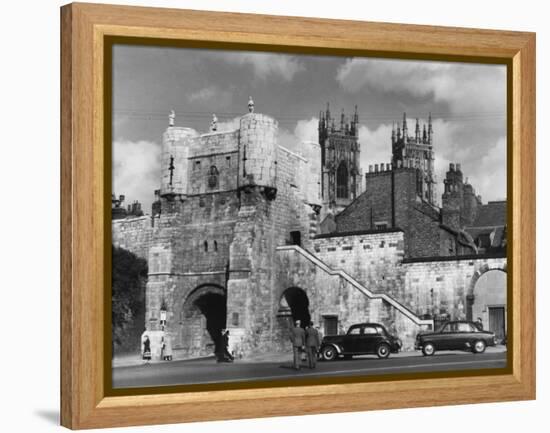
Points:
[(167, 349), (479, 323), (298, 338), (146, 349), (226, 354), (313, 341)]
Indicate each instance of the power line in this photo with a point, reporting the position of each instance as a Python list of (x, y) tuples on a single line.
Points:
[(141, 114)]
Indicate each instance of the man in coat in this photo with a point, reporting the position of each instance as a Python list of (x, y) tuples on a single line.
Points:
[(298, 338), (313, 341)]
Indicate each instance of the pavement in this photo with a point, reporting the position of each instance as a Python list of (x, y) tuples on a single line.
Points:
[(276, 366)]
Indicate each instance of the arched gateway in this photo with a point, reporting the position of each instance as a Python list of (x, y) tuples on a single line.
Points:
[(487, 300), (204, 315)]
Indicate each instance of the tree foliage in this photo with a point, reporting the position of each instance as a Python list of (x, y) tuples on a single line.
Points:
[(129, 274)]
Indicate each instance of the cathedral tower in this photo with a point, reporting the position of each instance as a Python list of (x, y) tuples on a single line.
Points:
[(416, 151), (341, 175)]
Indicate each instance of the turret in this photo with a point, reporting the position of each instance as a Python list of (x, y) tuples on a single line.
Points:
[(258, 151), (355, 128), (405, 132), (417, 131), (176, 141), (430, 130)]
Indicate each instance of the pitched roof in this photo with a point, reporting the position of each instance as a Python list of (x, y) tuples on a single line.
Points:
[(491, 214)]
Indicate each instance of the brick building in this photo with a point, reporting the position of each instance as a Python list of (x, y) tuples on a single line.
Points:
[(247, 235)]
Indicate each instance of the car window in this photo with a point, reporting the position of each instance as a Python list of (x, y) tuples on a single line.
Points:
[(381, 330), (465, 327), (447, 328), (354, 331), (370, 330)]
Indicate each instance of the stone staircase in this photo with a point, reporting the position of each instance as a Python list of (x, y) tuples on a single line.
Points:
[(359, 286)]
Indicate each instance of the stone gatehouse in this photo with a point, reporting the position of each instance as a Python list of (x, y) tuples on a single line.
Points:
[(248, 235)]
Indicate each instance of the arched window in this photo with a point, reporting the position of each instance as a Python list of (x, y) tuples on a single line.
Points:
[(215, 245), (213, 177), (342, 181)]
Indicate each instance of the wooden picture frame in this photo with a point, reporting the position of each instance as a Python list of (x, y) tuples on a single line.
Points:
[(84, 403)]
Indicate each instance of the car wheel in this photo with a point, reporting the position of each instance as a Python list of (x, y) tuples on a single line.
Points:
[(428, 349), (329, 353), (383, 351), (479, 346)]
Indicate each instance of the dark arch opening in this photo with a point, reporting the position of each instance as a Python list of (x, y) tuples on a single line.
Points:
[(298, 302), (342, 181), (213, 307), (204, 309)]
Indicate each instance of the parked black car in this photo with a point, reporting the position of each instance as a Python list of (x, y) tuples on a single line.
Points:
[(361, 339), (455, 335)]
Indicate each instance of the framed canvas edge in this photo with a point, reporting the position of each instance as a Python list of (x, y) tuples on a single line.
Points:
[(83, 403)]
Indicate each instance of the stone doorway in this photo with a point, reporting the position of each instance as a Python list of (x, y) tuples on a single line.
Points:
[(204, 315)]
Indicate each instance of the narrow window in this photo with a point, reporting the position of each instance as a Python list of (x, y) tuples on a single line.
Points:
[(205, 246), (213, 177), (342, 181), (216, 246)]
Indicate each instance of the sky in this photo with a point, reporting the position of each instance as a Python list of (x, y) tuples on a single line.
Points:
[(467, 102)]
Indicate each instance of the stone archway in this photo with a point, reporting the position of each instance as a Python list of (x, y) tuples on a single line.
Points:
[(487, 300), (204, 315), (293, 305)]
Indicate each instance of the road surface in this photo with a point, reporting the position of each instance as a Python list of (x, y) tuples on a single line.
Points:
[(208, 371)]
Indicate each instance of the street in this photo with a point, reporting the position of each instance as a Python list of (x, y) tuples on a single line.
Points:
[(209, 371)]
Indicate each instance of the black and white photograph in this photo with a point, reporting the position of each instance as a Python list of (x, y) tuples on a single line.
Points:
[(286, 216)]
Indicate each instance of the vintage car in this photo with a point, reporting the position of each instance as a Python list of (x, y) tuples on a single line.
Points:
[(361, 339), (455, 335)]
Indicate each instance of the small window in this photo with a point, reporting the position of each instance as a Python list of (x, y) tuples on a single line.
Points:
[(213, 177), (205, 246), (235, 319), (370, 330), (197, 165), (447, 328), (381, 225), (355, 331), (216, 246), (465, 327), (296, 238), (228, 159)]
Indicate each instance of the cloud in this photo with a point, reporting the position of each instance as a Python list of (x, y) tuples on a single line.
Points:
[(267, 65), (207, 95), (468, 89), (305, 130), (490, 179), (136, 171)]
